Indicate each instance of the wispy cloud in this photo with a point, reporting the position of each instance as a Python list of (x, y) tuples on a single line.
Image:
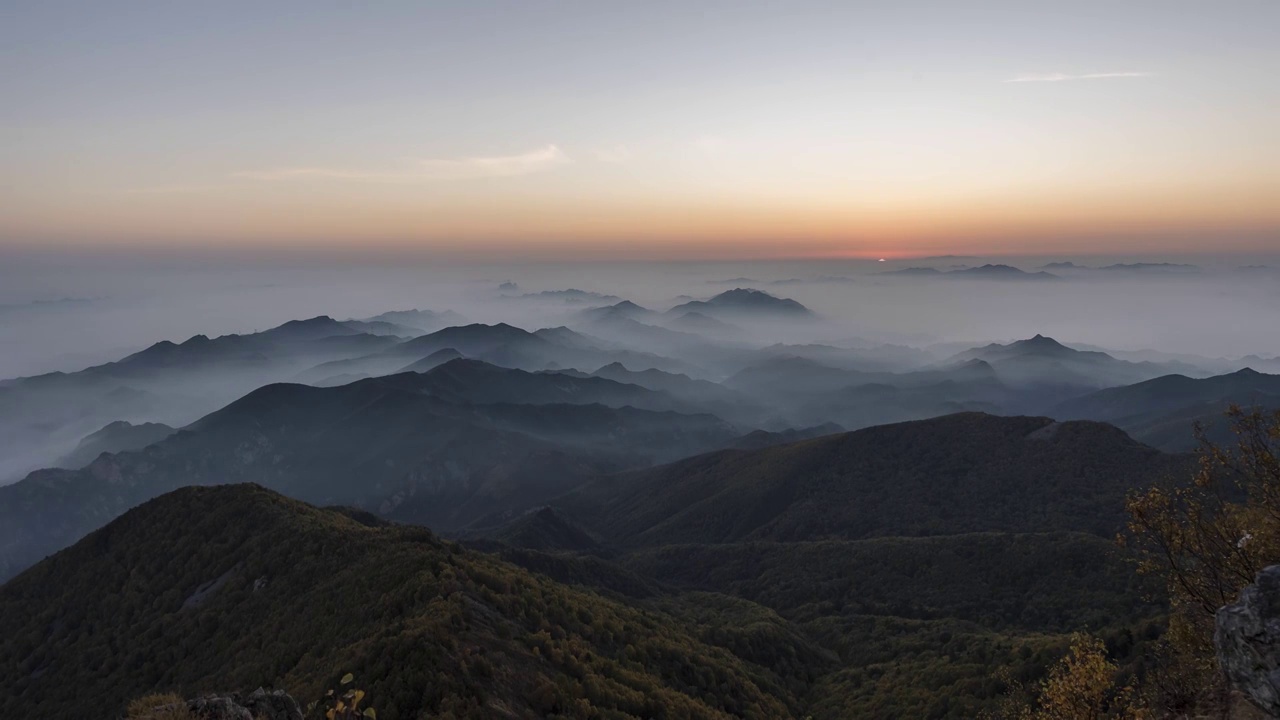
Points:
[(535, 161), (1063, 77)]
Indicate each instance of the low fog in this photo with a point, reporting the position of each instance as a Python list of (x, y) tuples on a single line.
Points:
[(882, 340), (66, 316)]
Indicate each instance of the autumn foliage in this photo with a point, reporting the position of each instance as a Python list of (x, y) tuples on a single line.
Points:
[(1207, 539)]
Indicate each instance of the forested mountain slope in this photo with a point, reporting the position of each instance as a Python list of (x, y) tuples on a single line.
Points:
[(237, 586), (967, 472)]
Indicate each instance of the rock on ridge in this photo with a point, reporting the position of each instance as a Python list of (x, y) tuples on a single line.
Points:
[(1247, 640), (257, 705)]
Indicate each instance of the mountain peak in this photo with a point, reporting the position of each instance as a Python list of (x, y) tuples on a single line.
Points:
[(480, 330), (993, 270), (621, 310), (1041, 342), (464, 364), (976, 364), (317, 320), (743, 300)]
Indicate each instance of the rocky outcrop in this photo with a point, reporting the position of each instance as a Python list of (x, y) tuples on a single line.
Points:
[(1247, 639), (257, 705)]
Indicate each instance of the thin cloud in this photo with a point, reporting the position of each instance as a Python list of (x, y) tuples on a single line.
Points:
[(535, 161), (528, 163), (1063, 77)]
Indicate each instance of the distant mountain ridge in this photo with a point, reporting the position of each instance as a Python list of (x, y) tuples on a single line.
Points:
[(499, 344), (1137, 267), (424, 321), (119, 436), (1002, 272), (571, 295), (982, 272), (623, 309), (1163, 410), (200, 349), (1041, 360), (42, 417), (697, 322), (743, 302), (1151, 267), (441, 448)]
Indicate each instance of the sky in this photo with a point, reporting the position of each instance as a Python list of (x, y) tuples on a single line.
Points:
[(656, 130)]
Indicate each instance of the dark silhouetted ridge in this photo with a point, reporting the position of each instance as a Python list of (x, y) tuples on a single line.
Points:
[(959, 473)]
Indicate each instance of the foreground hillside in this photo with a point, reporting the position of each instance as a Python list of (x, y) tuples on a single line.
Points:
[(235, 587), (885, 573)]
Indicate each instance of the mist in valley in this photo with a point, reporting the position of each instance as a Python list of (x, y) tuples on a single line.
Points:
[(70, 315), (868, 342)]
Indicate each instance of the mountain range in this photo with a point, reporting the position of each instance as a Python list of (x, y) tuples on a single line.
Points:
[(421, 321), (1046, 362), (981, 272), (691, 513), (786, 580), (1162, 411), (119, 436), (442, 448), (44, 417)]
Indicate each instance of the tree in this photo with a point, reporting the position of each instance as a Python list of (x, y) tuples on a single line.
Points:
[(1207, 540), (343, 705), (1080, 686)]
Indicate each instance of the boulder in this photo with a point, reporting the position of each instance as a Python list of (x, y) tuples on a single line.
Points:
[(274, 705), (218, 707), (1247, 640), (257, 705)]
